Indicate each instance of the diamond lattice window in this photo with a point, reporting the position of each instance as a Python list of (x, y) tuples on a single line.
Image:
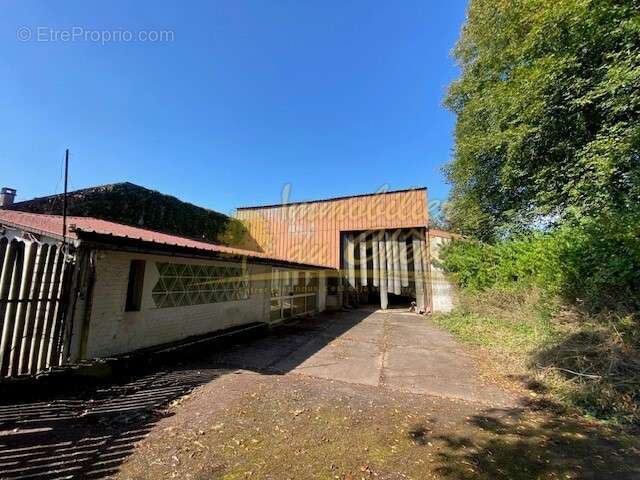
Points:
[(182, 285)]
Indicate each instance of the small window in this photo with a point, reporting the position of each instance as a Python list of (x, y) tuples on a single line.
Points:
[(134, 288)]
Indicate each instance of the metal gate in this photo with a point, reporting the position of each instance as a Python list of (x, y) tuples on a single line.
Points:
[(33, 303)]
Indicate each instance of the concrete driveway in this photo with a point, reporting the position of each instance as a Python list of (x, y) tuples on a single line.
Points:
[(394, 349), (350, 395)]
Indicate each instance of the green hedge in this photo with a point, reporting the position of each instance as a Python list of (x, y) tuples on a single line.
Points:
[(595, 262)]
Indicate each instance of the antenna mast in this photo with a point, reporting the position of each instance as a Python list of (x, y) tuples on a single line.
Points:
[(64, 198)]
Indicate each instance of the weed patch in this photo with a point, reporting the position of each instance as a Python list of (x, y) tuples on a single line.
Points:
[(585, 362)]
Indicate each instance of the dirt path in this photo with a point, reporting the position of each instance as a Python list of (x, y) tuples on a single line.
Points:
[(354, 395)]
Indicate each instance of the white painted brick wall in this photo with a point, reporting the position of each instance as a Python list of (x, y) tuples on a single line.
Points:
[(113, 331)]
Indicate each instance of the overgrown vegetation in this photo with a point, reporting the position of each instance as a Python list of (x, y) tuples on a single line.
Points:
[(535, 301), (594, 264), (546, 186), (138, 206)]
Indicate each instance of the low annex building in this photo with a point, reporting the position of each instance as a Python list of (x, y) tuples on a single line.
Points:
[(113, 289), (105, 288)]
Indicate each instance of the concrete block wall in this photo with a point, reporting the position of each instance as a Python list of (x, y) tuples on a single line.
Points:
[(113, 331), (441, 288)]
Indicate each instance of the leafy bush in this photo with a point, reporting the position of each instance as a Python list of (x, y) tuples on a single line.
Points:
[(601, 262), (547, 108), (594, 263)]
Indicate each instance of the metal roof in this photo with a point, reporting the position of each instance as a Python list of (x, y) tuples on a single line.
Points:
[(51, 225)]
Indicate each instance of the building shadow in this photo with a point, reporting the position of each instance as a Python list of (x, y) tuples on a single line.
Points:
[(290, 344), (81, 428)]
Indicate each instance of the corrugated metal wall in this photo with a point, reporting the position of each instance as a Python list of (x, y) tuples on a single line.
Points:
[(310, 232)]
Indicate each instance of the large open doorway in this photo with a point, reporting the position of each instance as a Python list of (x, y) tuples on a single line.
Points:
[(386, 267)]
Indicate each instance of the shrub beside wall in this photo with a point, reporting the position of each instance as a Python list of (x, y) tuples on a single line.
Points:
[(594, 263)]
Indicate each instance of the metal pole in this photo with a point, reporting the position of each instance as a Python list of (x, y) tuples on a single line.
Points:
[(64, 198)]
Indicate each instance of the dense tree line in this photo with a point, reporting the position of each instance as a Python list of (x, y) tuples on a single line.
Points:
[(548, 110)]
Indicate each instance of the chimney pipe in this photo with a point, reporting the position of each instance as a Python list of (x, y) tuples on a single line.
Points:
[(7, 196)]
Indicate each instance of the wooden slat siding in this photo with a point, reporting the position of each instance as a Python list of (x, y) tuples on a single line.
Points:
[(284, 234), (261, 240), (32, 365), (287, 233), (278, 230), (259, 229), (13, 263), (30, 255), (395, 206), (323, 221), (32, 308), (264, 236), (336, 237), (276, 225)]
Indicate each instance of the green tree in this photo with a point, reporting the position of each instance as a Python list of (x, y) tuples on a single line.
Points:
[(548, 113)]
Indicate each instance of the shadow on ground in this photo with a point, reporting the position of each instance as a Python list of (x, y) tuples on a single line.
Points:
[(79, 430), (535, 442), (89, 434), (599, 364)]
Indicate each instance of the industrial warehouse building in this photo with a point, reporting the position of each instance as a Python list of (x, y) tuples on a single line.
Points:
[(106, 288), (379, 242)]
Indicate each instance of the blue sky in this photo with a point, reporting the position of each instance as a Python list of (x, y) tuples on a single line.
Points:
[(333, 98)]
